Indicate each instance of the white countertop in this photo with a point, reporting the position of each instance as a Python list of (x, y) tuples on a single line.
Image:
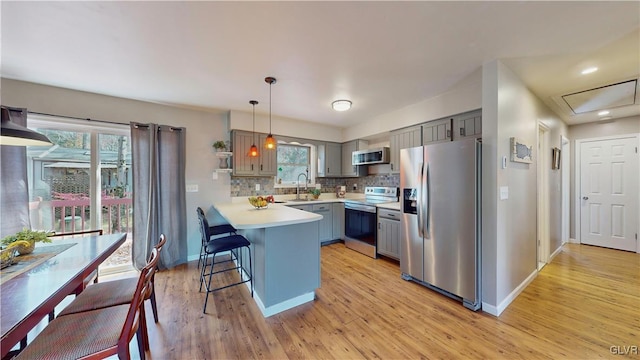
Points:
[(243, 216)]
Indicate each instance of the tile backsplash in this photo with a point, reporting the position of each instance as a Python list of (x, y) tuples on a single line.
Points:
[(246, 186)]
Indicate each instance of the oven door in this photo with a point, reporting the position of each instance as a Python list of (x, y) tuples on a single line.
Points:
[(360, 225)]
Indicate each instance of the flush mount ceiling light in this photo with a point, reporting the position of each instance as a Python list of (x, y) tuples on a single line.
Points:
[(589, 70), (270, 141), (253, 151), (603, 113), (341, 105), (17, 135)]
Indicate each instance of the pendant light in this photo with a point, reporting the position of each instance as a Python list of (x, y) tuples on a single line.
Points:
[(270, 141), (253, 151), (17, 135)]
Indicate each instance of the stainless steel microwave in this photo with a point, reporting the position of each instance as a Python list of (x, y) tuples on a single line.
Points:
[(370, 156)]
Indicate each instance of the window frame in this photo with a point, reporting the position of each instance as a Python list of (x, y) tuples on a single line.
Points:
[(312, 160)]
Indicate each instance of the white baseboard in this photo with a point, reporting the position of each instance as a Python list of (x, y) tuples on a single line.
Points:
[(285, 305), (573, 241), (555, 253), (490, 309), (496, 311)]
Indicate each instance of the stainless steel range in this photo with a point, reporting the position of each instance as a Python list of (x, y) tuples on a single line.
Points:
[(360, 218)]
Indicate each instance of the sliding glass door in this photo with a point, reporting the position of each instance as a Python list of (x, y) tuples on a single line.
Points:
[(82, 182)]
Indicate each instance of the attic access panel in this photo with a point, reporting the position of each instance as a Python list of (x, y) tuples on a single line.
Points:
[(605, 97)]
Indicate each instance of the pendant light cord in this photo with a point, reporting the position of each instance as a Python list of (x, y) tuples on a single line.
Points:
[(270, 108)]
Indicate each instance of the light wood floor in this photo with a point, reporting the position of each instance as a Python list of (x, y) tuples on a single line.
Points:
[(583, 303)]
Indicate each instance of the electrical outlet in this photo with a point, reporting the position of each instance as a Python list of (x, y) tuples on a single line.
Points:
[(257, 187), (192, 188), (319, 186)]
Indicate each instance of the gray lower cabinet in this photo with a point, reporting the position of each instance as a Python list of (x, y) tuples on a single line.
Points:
[(338, 221), (326, 224), (389, 233), (332, 223)]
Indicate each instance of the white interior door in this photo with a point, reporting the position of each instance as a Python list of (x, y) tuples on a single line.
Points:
[(609, 193)]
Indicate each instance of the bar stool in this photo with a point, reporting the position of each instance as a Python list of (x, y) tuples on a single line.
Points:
[(214, 230), (232, 244)]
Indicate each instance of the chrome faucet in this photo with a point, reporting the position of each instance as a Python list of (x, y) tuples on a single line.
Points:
[(306, 177)]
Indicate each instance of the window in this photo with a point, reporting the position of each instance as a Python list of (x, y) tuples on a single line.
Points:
[(292, 161)]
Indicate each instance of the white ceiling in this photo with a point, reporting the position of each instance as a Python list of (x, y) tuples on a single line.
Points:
[(381, 55)]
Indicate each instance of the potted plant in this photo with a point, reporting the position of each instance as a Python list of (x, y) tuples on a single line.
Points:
[(220, 145), (315, 193), (25, 240)]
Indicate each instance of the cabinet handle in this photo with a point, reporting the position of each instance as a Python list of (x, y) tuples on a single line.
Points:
[(391, 166), (379, 226), (328, 171), (251, 167), (260, 167)]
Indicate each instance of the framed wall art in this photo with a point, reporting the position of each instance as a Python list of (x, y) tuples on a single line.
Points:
[(555, 158), (521, 152)]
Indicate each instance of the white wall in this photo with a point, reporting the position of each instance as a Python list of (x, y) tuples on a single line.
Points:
[(464, 96), (240, 120), (624, 126), (203, 128), (509, 249)]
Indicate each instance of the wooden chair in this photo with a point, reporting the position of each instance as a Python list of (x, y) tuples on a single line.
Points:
[(112, 293), (214, 230), (98, 333)]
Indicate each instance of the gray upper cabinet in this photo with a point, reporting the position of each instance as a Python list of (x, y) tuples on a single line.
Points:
[(403, 139), (349, 170), (436, 131), (468, 125), (243, 165), (268, 161), (329, 159)]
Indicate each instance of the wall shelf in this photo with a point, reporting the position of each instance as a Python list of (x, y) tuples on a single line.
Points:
[(224, 170), (222, 154)]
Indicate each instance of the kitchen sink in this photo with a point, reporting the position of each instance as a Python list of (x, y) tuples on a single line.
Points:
[(279, 202)]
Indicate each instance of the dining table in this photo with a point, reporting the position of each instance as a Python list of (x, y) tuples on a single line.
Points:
[(28, 297)]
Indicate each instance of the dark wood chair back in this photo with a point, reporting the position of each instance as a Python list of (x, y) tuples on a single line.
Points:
[(133, 316)]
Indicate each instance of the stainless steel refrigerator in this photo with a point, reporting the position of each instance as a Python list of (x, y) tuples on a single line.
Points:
[(440, 197)]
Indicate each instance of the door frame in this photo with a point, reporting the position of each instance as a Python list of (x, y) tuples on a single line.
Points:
[(543, 211), (578, 193), (565, 181)]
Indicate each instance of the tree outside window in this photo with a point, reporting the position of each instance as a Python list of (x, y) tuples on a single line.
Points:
[(292, 160)]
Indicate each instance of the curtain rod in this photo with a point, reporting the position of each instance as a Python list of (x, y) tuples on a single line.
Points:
[(101, 121), (77, 118)]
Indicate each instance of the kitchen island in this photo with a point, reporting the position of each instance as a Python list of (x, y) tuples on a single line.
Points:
[(285, 246)]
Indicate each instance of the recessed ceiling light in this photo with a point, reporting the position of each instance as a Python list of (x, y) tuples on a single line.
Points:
[(603, 113), (589, 70), (341, 105)]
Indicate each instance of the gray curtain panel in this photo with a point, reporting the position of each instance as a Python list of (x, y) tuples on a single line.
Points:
[(159, 199), (14, 192)]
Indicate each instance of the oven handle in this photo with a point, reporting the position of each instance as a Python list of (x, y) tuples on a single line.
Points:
[(358, 207)]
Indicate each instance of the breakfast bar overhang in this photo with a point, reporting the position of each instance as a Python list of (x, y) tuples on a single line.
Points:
[(285, 245)]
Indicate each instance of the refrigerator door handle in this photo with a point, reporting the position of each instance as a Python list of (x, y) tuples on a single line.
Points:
[(427, 202), (419, 202)]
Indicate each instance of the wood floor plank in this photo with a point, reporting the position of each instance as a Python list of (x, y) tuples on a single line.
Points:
[(584, 302)]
